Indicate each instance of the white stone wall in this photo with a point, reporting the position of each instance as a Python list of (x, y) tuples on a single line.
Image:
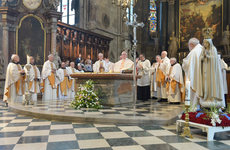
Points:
[(105, 18)]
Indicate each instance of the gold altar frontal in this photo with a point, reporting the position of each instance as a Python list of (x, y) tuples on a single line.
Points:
[(113, 88)]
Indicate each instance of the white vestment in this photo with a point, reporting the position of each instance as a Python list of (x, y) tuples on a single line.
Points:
[(98, 64), (63, 77), (191, 66), (72, 89), (123, 64), (176, 84), (144, 73), (50, 91), (153, 86), (110, 66), (224, 67), (164, 67), (34, 77), (14, 79)]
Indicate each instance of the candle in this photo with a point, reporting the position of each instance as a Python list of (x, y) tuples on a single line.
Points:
[(28, 59), (187, 103)]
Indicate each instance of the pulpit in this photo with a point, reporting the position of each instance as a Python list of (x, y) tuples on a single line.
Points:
[(112, 88)]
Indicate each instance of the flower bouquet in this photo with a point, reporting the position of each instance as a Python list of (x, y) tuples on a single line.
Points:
[(86, 97)]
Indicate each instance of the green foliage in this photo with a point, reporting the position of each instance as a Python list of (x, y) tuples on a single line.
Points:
[(86, 97)]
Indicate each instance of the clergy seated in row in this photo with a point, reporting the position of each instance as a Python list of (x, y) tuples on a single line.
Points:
[(50, 81), (175, 82), (143, 84), (123, 64), (72, 84), (162, 72), (79, 68), (102, 65), (63, 82), (15, 81), (155, 89), (34, 79)]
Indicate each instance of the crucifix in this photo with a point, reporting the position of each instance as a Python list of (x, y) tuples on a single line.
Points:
[(135, 24)]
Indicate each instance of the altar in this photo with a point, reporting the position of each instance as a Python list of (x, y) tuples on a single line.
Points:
[(113, 88)]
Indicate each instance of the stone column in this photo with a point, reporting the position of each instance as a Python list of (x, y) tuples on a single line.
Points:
[(5, 45), (171, 17), (53, 34), (52, 26)]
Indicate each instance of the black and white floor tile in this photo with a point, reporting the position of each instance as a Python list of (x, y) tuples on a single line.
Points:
[(19, 132)]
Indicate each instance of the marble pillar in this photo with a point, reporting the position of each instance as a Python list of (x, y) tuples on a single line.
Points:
[(53, 35), (5, 45), (171, 17)]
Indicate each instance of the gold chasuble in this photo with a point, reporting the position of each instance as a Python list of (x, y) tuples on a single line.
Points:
[(20, 82), (160, 77), (52, 78), (64, 83), (35, 80)]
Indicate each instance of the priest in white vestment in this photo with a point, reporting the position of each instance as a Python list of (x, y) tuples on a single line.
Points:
[(191, 68), (72, 81), (143, 84), (15, 81), (175, 82), (49, 77), (109, 65), (34, 79), (63, 86), (224, 67), (153, 72), (210, 89), (123, 64), (164, 68), (100, 65)]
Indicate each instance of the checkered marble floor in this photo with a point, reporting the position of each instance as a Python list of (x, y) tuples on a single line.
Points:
[(150, 110), (19, 132)]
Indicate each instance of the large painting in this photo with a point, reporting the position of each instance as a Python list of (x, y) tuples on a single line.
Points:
[(196, 15), (31, 40)]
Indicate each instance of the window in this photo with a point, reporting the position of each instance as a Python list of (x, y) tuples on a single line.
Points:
[(153, 16), (68, 14)]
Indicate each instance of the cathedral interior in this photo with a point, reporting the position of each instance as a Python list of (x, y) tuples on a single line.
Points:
[(70, 28)]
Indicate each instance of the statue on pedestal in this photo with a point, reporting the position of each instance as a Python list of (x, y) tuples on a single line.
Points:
[(57, 59), (225, 40), (173, 45)]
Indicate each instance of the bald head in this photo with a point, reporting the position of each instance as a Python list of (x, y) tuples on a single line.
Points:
[(15, 58), (124, 55), (72, 64), (173, 61), (193, 42), (158, 58), (164, 54), (51, 57), (100, 56)]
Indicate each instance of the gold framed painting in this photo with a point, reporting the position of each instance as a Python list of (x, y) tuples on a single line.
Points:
[(194, 15), (31, 39)]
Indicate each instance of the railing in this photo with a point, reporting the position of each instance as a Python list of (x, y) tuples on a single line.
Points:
[(72, 41)]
